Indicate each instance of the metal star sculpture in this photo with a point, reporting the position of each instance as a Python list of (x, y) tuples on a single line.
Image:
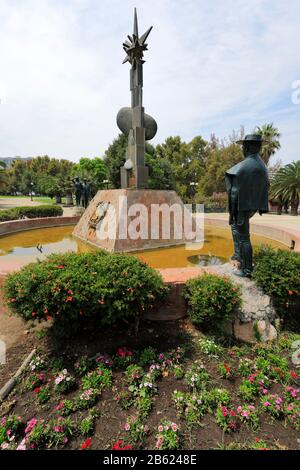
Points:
[(135, 45), (133, 121)]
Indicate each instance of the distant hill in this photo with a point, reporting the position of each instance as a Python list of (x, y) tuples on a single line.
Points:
[(9, 160)]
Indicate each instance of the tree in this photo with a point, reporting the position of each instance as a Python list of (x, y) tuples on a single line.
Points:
[(3, 177), (187, 160), (271, 136), (160, 173), (94, 170), (114, 158), (222, 155), (43, 171), (285, 186)]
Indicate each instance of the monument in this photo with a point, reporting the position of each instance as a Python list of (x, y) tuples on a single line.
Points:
[(247, 186), (133, 218), (133, 121)]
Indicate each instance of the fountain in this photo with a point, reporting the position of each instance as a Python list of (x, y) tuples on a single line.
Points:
[(113, 215)]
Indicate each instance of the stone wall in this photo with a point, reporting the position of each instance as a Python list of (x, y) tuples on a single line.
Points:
[(29, 224)]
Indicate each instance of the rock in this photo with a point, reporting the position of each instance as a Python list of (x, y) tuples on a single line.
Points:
[(266, 331), (254, 319), (244, 332)]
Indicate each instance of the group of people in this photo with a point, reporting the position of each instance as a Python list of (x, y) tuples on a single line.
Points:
[(82, 192)]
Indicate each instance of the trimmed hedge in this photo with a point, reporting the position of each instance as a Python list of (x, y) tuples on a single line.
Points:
[(277, 272), (30, 212), (79, 289), (211, 299)]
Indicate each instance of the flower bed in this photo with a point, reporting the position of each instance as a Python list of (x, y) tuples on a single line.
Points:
[(190, 395)]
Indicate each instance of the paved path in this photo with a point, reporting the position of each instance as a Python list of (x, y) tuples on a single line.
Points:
[(280, 221), (10, 203)]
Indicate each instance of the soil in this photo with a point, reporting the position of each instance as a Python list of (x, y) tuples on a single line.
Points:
[(109, 426)]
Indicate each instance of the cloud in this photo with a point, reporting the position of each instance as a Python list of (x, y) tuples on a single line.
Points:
[(211, 67)]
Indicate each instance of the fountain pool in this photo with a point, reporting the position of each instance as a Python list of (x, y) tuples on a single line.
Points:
[(22, 248)]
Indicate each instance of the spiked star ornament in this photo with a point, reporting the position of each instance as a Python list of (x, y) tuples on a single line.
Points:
[(135, 45)]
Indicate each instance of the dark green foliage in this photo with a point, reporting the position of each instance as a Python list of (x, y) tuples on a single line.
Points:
[(212, 299), (277, 272), (80, 289), (30, 212)]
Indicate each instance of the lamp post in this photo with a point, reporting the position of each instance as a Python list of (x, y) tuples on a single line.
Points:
[(31, 188)]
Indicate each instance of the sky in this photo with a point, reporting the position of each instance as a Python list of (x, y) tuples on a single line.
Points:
[(212, 66)]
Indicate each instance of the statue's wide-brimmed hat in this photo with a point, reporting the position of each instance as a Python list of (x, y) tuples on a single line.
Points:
[(251, 138)]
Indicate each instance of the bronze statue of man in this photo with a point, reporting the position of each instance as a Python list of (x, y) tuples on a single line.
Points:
[(247, 186), (86, 192), (78, 190)]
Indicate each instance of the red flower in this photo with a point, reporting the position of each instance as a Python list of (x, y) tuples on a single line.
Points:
[(86, 444), (33, 314), (290, 292), (61, 266), (69, 299), (36, 390), (293, 375), (227, 368), (119, 446), (121, 352)]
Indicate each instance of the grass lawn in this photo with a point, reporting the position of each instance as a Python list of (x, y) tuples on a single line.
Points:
[(168, 387)]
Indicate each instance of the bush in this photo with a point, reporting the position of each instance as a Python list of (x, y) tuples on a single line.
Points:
[(277, 272), (216, 203), (212, 299), (30, 212), (75, 289)]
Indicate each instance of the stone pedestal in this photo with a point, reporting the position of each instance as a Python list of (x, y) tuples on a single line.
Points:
[(255, 320), (133, 210)]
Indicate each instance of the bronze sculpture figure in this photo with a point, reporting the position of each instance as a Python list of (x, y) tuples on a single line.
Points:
[(247, 187), (86, 191), (78, 190)]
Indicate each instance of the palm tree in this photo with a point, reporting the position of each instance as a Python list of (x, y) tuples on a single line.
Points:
[(271, 136), (285, 185)]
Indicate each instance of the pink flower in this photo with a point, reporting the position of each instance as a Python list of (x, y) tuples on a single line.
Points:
[(22, 445), (267, 403), (160, 428), (174, 427), (30, 425), (159, 442), (127, 427)]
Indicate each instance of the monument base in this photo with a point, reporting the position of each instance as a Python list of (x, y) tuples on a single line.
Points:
[(129, 219)]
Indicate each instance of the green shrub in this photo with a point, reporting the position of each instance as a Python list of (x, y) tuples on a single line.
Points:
[(212, 299), (78, 290), (277, 272), (8, 214), (30, 212), (40, 211)]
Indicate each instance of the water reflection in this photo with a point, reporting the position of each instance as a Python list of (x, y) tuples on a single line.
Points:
[(217, 248)]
